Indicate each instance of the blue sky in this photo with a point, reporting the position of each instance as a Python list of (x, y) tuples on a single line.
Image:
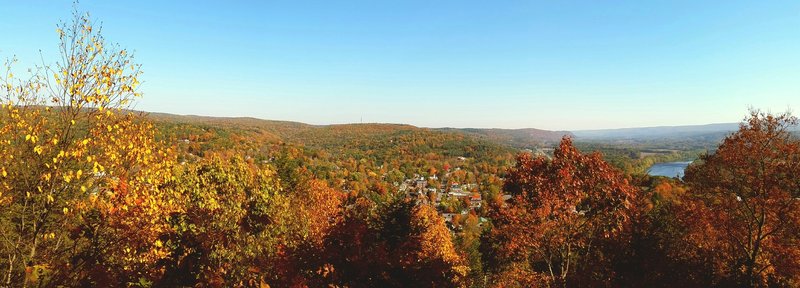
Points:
[(509, 64)]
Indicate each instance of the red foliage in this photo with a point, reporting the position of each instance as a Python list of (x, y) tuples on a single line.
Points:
[(745, 209), (562, 210)]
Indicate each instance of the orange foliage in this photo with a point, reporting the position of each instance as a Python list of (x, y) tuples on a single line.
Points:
[(745, 208), (561, 211)]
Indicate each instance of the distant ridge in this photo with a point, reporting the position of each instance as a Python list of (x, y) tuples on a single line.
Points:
[(719, 129), (518, 138)]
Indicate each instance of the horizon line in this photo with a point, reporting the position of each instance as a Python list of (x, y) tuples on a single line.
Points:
[(432, 127)]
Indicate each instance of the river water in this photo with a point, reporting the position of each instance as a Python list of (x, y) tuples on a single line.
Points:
[(668, 169)]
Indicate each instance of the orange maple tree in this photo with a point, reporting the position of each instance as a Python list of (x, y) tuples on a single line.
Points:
[(391, 244), (746, 203), (561, 212)]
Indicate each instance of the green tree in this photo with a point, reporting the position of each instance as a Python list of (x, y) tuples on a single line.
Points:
[(233, 223)]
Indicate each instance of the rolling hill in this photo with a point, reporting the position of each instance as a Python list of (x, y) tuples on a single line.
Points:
[(325, 135)]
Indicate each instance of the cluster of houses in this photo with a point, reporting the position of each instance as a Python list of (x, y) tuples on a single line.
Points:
[(418, 190)]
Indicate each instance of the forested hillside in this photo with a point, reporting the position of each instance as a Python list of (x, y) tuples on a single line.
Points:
[(356, 157), (519, 138)]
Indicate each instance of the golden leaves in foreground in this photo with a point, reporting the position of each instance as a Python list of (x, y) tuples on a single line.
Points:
[(52, 134)]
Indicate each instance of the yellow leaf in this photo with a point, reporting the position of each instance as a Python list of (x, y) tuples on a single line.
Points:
[(50, 198), (27, 137), (4, 172)]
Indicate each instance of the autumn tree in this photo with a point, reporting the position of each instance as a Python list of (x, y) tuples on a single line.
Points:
[(114, 230), (70, 150), (315, 211), (561, 213), (653, 252), (232, 220), (745, 195), (391, 244), (467, 243)]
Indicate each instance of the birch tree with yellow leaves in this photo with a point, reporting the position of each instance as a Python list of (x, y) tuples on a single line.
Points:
[(74, 165)]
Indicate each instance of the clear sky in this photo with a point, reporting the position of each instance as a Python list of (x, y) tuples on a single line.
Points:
[(509, 64)]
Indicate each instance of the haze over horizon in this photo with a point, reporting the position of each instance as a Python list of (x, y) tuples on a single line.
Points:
[(446, 127), (542, 65)]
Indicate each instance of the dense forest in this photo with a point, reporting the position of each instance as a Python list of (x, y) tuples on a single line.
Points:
[(94, 194)]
